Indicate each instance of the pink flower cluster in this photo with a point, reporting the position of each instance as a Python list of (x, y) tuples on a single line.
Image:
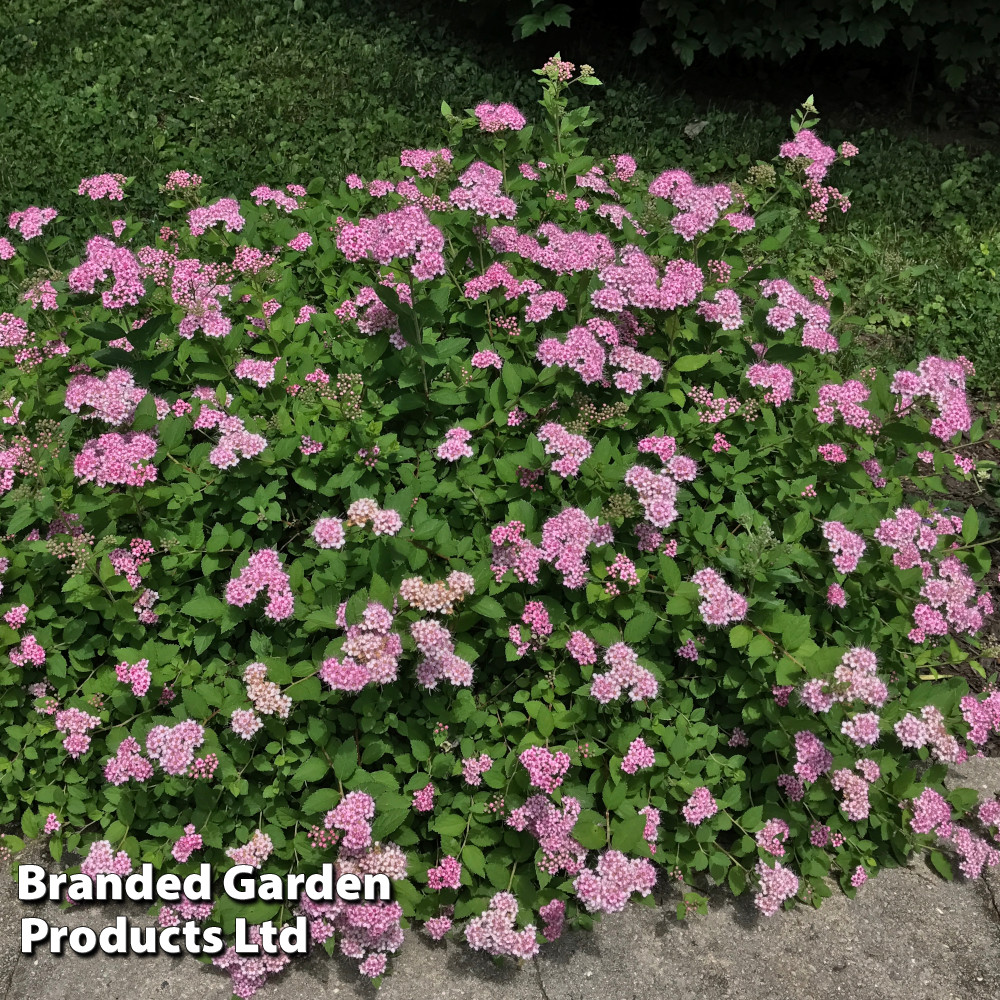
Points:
[(117, 459), (640, 756), (455, 445), (908, 534), (499, 118), (172, 747), (581, 350), (439, 659), (249, 974), (404, 233), (256, 370), (622, 570), (862, 729), (777, 379), (186, 845), (700, 206), (546, 769), (254, 853), (813, 758), (846, 400), (263, 571), (553, 916), (776, 885), (179, 180), (439, 597), (16, 617), (725, 310), (29, 650), (473, 768), (487, 359), (480, 187), (982, 715), (423, 800), (847, 546), (235, 441), (637, 282), (182, 911), (581, 648), (137, 676), (564, 252), (572, 449), (103, 186), (624, 674), (551, 826), (493, 931), (127, 763), (943, 382), (353, 814), (245, 723), (30, 221), (102, 858), (854, 788), (541, 305), (265, 695), (129, 561), (929, 730), (113, 398), (225, 210), (446, 875), (607, 888), (700, 806), (819, 156), (426, 162), (634, 365), (75, 724), (512, 551), (721, 604), (792, 304), (536, 618), (657, 492), (948, 590), (772, 836), (264, 195), (371, 652)]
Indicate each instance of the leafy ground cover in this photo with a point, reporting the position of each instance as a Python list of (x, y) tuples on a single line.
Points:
[(516, 522), (242, 92)]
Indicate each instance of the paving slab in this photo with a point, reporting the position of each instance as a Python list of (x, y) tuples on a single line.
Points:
[(908, 935)]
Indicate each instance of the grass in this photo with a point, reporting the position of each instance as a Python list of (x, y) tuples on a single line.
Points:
[(254, 91)]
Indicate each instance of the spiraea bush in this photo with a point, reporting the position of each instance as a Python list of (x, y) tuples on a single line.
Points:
[(505, 526)]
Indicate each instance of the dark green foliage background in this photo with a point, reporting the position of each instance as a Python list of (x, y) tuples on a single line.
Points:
[(258, 92)]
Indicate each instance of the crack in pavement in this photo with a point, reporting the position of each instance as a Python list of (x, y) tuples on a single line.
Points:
[(993, 898), (541, 982)]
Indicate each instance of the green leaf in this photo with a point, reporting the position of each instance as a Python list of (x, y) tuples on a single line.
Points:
[(204, 606), (145, 414), (626, 835), (970, 525), (942, 865), (322, 800), (488, 607), (345, 760), (639, 626), (691, 362), (474, 859), (309, 771), (739, 635), (449, 825)]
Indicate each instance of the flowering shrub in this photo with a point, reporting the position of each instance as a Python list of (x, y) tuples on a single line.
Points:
[(293, 578)]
